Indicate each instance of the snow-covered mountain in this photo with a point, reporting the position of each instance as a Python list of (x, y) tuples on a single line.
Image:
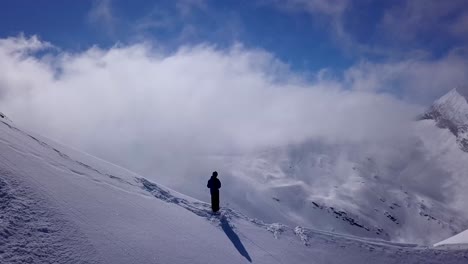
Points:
[(62, 206), (451, 111), (343, 190)]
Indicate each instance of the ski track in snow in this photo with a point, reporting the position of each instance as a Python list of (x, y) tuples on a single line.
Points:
[(204, 210), (30, 232)]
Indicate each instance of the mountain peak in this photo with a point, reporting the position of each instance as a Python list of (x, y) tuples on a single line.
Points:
[(451, 111), (454, 98), (453, 107)]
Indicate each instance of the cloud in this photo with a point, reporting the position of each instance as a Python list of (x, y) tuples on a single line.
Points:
[(186, 7), (16, 54), (23, 45), (330, 12), (155, 20), (394, 30), (417, 79), (334, 8), (188, 21), (197, 100), (460, 27), (102, 14), (419, 20), (336, 17), (170, 17)]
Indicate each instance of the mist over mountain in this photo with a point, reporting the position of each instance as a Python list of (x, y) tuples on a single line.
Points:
[(407, 189), (62, 205)]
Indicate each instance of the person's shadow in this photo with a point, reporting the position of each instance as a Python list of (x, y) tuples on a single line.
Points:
[(234, 238)]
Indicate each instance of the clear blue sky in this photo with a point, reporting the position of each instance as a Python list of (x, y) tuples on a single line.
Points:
[(308, 35)]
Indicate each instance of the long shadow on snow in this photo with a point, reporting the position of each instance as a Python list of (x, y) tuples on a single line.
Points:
[(234, 238)]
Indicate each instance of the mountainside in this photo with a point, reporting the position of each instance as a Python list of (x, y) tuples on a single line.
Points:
[(63, 206), (341, 189), (407, 190)]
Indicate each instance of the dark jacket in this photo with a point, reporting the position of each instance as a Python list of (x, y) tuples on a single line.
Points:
[(214, 184)]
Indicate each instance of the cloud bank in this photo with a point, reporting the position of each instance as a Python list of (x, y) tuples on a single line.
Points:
[(199, 100), (135, 103)]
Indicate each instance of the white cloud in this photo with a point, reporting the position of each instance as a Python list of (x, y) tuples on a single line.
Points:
[(23, 45), (147, 104)]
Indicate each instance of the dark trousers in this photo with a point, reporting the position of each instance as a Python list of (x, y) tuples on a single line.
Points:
[(215, 200)]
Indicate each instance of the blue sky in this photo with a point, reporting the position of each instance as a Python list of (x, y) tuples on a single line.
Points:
[(308, 35), (293, 37)]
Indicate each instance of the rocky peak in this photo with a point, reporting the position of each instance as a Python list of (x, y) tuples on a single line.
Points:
[(451, 111)]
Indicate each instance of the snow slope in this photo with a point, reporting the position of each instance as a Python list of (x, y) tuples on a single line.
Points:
[(63, 206)]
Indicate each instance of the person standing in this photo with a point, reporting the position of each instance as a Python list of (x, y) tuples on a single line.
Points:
[(214, 184)]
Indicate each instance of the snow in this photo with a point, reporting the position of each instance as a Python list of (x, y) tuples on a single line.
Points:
[(63, 206), (348, 189), (459, 241), (451, 111), (453, 106)]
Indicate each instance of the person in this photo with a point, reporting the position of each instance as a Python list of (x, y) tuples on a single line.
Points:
[(214, 184)]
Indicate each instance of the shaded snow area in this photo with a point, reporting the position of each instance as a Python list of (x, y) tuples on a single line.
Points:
[(62, 206)]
